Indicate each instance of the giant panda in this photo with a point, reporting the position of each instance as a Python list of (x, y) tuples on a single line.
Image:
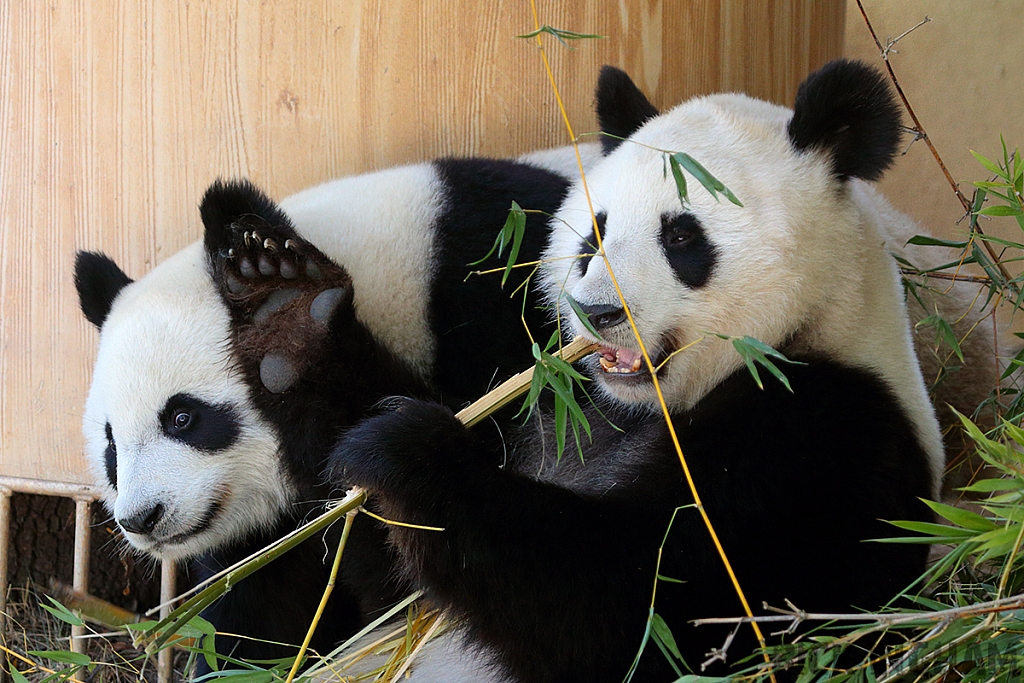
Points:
[(223, 376), (547, 565)]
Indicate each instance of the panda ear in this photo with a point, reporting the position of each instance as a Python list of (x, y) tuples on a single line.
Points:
[(98, 280), (848, 110), (621, 107)]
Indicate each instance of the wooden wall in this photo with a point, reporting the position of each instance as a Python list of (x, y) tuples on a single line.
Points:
[(114, 117)]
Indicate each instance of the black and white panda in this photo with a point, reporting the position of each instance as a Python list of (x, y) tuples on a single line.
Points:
[(549, 565), (223, 376)]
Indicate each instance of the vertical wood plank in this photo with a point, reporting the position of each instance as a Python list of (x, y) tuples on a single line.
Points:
[(115, 116)]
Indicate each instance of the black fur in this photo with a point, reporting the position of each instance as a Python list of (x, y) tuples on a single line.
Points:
[(110, 458), (198, 424), (467, 313), (344, 372), (688, 249), (98, 280), (589, 244), (848, 109), (551, 565), (621, 107)]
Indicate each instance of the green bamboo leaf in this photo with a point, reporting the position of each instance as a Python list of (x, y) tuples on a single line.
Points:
[(961, 517), (669, 579), (664, 634), (712, 184), (561, 34), (16, 675), (63, 656), (755, 351), (925, 240), (931, 529), (677, 175), (1000, 210), (61, 612), (988, 164), (583, 317)]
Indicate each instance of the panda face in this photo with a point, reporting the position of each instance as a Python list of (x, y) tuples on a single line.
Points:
[(768, 269), (187, 462)]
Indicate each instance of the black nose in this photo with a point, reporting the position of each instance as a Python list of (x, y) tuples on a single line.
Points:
[(602, 316), (144, 521)]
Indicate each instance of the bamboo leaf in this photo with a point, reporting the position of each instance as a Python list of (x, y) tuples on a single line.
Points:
[(63, 656), (961, 517), (61, 612), (677, 175), (988, 164), (1000, 210), (664, 634), (561, 34), (927, 241), (583, 317)]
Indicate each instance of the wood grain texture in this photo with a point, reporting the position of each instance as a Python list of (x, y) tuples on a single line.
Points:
[(115, 116)]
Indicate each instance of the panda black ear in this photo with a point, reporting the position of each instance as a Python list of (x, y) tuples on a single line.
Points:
[(98, 280), (848, 109), (231, 201), (621, 107)]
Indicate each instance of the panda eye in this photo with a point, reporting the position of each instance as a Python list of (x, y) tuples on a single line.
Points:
[(678, 237), (182, 420), (204, 426)]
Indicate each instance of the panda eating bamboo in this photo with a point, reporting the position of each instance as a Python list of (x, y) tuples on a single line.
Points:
[(548, 565)]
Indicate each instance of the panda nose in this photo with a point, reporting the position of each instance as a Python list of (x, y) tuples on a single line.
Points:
[(603, 316), (143, 522)]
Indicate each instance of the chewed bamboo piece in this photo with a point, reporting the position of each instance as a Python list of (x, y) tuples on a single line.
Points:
[(516, 386)]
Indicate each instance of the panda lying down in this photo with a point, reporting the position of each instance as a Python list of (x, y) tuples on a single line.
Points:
[(549, 565), (224, 376)]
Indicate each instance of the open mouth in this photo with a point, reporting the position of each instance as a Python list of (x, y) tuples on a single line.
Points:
[(622, 363)]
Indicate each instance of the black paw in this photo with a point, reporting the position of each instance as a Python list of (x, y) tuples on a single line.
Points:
[(417, 449), (283, 293)]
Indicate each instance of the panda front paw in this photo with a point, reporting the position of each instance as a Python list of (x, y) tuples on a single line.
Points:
[(417, 451)]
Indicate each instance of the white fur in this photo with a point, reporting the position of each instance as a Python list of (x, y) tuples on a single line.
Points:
[(167, 334), (562, 160), (799, 258), (379, 227)]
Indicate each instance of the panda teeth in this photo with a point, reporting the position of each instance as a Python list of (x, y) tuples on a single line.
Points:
[(612, 362)]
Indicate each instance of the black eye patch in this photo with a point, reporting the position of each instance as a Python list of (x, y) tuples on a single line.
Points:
[(688, 250), (110, 458), (199, 424), (589, 244)]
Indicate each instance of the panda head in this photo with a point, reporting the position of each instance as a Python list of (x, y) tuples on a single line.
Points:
[(183, 421), (787, 267)]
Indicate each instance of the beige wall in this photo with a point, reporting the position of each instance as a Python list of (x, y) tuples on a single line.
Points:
[(115, 116), (963, 73)]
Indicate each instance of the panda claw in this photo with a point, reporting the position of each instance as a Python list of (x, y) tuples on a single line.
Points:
[(290, 244), (277, 372), (231, 252), (269, 244), (266, 267), (288, 270), (245, 237), (256, 238), (246, 268)]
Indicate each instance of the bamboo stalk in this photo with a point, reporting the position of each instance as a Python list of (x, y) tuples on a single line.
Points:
[(516, 386), (495, 399)]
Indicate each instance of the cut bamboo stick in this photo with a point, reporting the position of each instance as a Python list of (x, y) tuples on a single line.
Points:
[(516, 386)]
